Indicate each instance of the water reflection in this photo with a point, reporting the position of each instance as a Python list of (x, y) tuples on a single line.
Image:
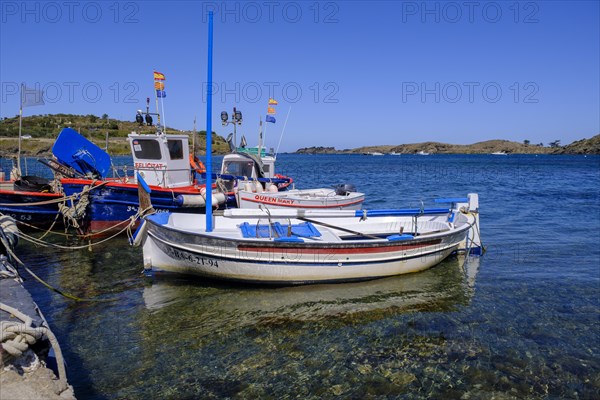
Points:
[(438, 289), (222, 340)]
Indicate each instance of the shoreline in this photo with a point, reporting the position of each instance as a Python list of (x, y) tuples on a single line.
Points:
[(41, 147)]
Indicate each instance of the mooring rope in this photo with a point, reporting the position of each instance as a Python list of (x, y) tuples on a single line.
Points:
[(130, 222), (17, 337), (40, 280)]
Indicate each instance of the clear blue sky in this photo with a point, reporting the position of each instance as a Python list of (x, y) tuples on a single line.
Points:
[(354, 73)]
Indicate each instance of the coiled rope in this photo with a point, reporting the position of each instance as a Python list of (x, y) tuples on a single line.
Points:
[(16, 338)]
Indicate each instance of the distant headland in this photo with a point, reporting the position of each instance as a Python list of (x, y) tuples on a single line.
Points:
[(42, 130), (584, 146)]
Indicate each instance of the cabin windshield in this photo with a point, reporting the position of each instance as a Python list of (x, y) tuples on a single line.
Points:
[(239, 168), (175, 149), (146, 149)]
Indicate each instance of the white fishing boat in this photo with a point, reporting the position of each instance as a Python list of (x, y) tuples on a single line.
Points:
[(342, 197), (422, 153), (499, 153), (309, 246)]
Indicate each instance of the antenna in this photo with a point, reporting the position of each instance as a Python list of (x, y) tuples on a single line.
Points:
[(282, 131)]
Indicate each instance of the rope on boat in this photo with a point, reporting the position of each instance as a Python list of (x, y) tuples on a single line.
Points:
[(127, 228), (76, 211), (16, 338), (59, 200), (471, 242), (40, 203)]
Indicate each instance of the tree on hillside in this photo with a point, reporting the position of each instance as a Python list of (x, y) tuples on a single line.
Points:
[(105, 117), (526, 142), (92, 118), (556, 143)]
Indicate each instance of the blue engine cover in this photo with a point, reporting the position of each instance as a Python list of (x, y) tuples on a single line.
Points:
[(83, 156)]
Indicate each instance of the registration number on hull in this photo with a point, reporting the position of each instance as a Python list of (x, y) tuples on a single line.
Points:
[(191, 258)]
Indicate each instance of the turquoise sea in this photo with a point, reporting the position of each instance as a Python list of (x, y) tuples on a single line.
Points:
[(521, 322)]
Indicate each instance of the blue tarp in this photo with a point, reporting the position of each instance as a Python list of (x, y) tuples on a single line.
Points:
[(305, 229), (73, 150)]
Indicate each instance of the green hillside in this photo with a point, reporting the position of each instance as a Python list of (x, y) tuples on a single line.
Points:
[(44, 129)]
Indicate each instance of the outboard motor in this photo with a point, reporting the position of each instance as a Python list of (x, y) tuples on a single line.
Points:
[(343, 189)]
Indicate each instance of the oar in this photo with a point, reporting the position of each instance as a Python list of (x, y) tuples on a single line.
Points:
[(339, 228)]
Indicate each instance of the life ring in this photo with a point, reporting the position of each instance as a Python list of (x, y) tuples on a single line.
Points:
[(197, 165), (284, 185)]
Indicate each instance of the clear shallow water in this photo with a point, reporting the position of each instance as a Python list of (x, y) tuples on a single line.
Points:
[(521, 322)]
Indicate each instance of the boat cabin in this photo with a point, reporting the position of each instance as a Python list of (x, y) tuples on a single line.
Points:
[(247, 166), (162, 160)]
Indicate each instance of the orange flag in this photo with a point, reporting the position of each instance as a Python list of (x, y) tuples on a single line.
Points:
[(270, 110), (159, 85)]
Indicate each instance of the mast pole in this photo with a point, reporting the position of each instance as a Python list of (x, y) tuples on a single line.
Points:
[(209, 221), (20, 128)]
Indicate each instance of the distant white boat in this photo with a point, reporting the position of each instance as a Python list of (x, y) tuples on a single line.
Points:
[(422, 153), (342, 197), (499, 153), (393, 153), (376, 154)]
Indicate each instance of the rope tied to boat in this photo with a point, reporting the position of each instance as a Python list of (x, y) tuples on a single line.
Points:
[(126, 229), (17, 337), (75, 213)]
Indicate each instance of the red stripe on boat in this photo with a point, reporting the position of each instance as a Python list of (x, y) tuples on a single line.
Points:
[(349, 250)]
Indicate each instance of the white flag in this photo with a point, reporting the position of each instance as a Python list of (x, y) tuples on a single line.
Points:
[(31, 97)]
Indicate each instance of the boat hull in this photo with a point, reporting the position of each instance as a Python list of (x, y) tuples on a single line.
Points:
[(325, 199), (271, 262), (113, 204), (14, 203)]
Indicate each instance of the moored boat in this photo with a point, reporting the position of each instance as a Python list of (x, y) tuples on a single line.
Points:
[(342, 197), (309, 246)]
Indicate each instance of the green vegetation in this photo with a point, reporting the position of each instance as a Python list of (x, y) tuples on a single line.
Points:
[(45, 128)]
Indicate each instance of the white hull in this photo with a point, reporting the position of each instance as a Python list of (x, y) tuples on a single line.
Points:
[(302, 199), (264, 268), (178, 243)]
